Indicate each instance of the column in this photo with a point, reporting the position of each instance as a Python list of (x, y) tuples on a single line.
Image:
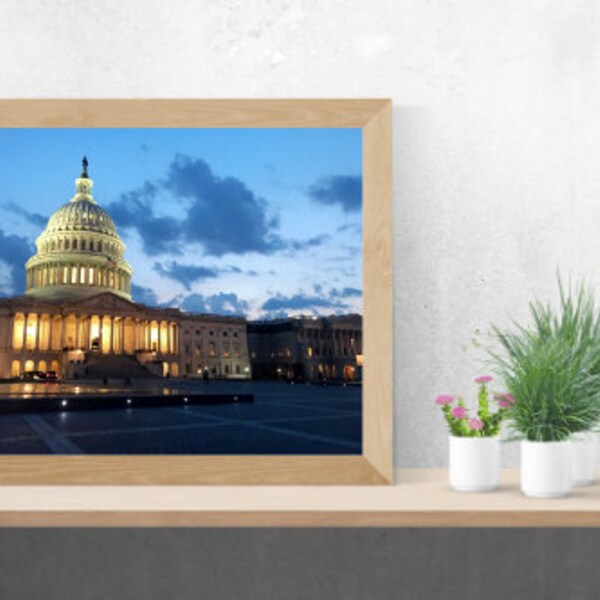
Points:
[(62, 331), (50, 327), (27, 326), (109, 334), (122, 340), (24, 340), (114, 335)]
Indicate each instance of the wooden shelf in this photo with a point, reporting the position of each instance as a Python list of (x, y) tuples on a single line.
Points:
[(420, 498)]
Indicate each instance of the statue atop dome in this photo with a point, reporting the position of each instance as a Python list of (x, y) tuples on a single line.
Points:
[(84, 172)]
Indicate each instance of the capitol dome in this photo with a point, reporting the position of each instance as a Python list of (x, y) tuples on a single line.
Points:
[(79, 253)]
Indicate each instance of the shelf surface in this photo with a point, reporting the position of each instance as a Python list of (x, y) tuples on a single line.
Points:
[(419, 498)]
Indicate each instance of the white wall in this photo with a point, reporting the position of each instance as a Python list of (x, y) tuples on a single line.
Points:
[(497, 137)]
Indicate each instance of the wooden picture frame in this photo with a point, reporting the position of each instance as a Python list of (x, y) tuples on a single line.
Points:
[(375, 465)]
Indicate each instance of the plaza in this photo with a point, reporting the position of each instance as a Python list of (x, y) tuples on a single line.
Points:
[(283, 419)]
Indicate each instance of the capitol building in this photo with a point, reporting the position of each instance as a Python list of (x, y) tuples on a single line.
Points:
[(77, 318)]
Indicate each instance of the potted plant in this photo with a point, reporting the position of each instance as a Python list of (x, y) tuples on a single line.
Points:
[(578, 324), (553, 371), (474, 464)]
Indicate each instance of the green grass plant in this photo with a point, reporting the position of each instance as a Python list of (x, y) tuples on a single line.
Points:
[(552, 368)]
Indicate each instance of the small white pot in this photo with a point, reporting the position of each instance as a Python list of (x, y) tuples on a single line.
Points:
[(474, 463), (585, 457), (546, 469)]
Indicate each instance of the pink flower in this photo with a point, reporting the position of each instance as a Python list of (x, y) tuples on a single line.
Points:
[(483, 379), (505, 400), (475, 424), (459, 412), (444, 399)]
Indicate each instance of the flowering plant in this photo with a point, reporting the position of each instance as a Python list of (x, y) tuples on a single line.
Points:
[(484, 423)]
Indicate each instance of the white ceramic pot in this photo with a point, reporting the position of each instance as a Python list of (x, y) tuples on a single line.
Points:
[(474, 463), (585, 457), (546, 469)]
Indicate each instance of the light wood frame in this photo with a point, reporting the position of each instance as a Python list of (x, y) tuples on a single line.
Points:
[(375, 465)]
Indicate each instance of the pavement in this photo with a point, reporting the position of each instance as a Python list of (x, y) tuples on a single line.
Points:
[(284, 419)]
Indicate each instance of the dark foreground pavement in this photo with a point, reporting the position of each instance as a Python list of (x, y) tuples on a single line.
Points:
[(284, 419)]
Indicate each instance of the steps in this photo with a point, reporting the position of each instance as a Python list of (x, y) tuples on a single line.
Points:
[(99, 366)]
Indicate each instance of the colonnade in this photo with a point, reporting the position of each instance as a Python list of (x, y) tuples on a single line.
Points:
[(78, 274), (102, 333)]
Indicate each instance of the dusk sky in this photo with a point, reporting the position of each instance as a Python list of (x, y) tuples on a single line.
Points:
[(260, 222)]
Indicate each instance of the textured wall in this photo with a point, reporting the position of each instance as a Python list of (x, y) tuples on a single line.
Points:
[(287, 564), (497, 141)]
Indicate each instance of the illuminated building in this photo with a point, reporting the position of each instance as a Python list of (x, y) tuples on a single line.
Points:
[(307, 348), (77, 318)]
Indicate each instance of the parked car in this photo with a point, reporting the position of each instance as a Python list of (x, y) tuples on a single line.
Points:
[(42, 376), (32, 376)]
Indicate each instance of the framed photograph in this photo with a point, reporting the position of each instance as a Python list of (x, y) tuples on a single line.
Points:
[(195, 292)]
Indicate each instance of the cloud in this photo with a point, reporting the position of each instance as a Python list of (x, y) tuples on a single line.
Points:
[(342, 190), (300, 301), (225, 216), (223, 303), (186, 274), (298, 245), (15, 251), (352, 227), (143, 295), (332, 300), (221, 214), (274, 314), (189, 274), (34, 218), (134, 210), (347, 292)]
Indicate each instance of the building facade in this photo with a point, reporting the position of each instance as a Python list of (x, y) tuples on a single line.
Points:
[(77, 317), (307, 348)]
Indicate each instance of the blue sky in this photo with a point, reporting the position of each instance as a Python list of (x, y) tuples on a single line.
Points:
[(261, 222)]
